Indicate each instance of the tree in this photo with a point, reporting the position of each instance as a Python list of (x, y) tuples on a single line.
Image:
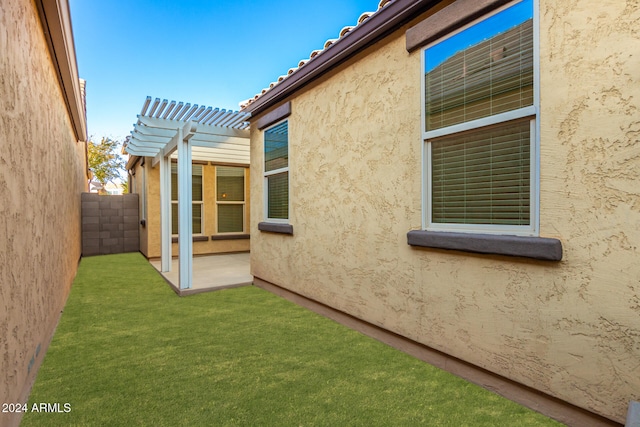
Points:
[(104, 160)]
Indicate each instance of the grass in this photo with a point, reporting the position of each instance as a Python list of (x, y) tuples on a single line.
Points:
[(129, 352)]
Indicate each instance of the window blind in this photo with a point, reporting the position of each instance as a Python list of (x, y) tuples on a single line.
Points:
[(230, 218), (482, 177), (489, 77), (276, 158), (229, 184), (196, 195), (196, 217), (278, 196), (230, 195), (276, 147), (196, 182)]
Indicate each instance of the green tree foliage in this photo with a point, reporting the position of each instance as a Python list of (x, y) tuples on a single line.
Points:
[(104, 160)]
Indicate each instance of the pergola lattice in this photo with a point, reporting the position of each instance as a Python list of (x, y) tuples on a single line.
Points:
[(184, 132)]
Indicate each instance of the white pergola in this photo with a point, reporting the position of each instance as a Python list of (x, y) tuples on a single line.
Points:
[(176, 130)]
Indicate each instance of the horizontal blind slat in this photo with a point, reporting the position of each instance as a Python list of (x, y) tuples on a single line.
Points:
[(276, 147), (230, 218), (491, 77), (482, 176), (278, 196)]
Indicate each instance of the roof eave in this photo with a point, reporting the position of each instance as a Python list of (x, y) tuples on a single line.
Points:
[(55, 18), (379, 25), (131, 163)]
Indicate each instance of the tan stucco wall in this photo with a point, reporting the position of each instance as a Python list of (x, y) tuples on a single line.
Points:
[(42, 173), (150, 235), (570, 329), (152, 198), (138, 180)]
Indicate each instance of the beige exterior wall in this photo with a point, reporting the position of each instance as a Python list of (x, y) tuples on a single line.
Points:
[(137, 183), (152, 199), (150, 234), (42, 174), (570, 329)]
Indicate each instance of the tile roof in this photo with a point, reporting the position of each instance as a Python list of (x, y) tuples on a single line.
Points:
[(314, 54)]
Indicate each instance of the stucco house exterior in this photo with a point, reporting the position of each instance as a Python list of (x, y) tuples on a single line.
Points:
[(219, 177), (463, 175), (211, 234), (43, 171)]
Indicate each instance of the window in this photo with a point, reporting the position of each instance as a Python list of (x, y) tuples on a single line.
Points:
[(276, 172), (230, 199), (480, 126), (196, 194)]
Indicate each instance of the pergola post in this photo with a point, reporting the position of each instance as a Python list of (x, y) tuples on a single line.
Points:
[(185, 212), (165, 212)]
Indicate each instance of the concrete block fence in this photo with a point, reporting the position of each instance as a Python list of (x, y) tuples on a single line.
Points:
[(109, 224)]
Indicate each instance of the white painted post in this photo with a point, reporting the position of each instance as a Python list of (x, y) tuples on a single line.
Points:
[(185, 224), (165, 212)]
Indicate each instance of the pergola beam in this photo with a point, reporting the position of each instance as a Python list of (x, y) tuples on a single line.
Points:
[(164, 124), (209, 145), (167, 132), (141, 151), (166, 150), (148, 137), (201, 140)]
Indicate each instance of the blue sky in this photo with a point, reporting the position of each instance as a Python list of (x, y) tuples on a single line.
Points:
[(206, 52)]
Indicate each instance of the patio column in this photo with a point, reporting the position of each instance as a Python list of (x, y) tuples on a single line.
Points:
[(185, 207), (165, 213)]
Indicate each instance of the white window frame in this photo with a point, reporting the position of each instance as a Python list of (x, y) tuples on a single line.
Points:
[(243, 203), (276, 172), (532, 111), (194, 202)]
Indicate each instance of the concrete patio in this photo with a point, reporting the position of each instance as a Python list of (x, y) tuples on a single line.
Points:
[(211, 272)]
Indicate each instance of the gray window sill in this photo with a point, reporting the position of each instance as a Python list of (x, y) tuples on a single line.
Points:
[(275, 227), (194, 239), (541, 248), (230, 237)]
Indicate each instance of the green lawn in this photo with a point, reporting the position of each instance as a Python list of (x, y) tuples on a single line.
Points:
[(128, 351)]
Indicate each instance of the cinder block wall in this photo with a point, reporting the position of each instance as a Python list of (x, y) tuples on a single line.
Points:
[(109, 224)]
